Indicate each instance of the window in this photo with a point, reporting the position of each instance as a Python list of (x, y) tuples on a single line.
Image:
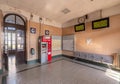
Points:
[(14, 19), (10, 19)]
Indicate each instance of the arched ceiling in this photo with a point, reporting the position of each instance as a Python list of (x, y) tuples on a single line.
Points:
[(52, 9)]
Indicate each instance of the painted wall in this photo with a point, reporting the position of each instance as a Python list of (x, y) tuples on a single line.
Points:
[(26, 14), (107, 12), (68, 53), (54, 31), (1, 39), (103, 41), (31, 39)]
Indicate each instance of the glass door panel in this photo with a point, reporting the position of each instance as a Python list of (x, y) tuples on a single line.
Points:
[(10, 40), (20, 40), (13, 41), (9, 35)]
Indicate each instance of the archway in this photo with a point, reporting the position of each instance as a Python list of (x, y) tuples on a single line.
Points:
[(14, 38)]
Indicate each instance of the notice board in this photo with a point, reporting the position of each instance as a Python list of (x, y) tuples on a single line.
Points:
[(68, 43), (56, 42)]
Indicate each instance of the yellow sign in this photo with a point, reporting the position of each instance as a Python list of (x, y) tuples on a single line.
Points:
[(79, 27), (102, 23)]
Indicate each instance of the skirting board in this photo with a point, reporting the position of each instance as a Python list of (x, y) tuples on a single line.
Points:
[(32, 61), (1, 71)]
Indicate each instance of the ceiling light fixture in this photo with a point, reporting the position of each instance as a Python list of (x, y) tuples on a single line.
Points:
[(65, 11), (31, 16), (40, 19)]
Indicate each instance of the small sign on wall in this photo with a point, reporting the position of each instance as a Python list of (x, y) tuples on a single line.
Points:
[(32, 30), (46, 32)]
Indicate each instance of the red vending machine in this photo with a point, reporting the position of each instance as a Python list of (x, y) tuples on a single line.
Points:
[(45, 50)]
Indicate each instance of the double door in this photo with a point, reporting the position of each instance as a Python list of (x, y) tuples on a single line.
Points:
[(14, 43)]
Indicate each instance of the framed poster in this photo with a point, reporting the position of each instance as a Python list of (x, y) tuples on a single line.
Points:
[(56, 42)]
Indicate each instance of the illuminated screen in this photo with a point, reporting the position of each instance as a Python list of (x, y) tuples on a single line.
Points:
[(79, 27), (101, 23)]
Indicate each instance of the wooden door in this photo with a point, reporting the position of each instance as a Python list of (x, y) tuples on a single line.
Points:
[(14, 37)]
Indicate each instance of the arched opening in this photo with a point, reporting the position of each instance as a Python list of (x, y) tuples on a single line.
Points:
[(14, 39)]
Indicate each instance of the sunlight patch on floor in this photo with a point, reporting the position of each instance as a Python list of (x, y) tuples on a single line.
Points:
[(12, 64), (113, 74)]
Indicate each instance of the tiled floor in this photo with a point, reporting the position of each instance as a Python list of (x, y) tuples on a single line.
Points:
[(60, 72)]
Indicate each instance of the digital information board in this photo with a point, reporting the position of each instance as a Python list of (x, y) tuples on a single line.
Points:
[(101, 23), (79, 27)]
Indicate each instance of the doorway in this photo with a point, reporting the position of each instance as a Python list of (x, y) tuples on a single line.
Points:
[(14, 39)]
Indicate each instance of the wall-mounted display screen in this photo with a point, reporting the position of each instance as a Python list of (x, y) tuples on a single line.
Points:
[(101, 23), (79, 27)]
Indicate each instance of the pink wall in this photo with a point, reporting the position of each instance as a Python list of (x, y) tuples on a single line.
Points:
[(103, 41)]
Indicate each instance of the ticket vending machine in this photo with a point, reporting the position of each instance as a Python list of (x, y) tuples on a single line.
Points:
[(44, 49), (43, 52)]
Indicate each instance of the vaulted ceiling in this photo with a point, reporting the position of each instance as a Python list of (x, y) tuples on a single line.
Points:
[(53, 9)]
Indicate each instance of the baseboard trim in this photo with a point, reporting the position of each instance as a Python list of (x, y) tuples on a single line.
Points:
[(1, 71), (87, 61), (71, 57), (37, 60), (116, 69), (32, 61), (57, 56)]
